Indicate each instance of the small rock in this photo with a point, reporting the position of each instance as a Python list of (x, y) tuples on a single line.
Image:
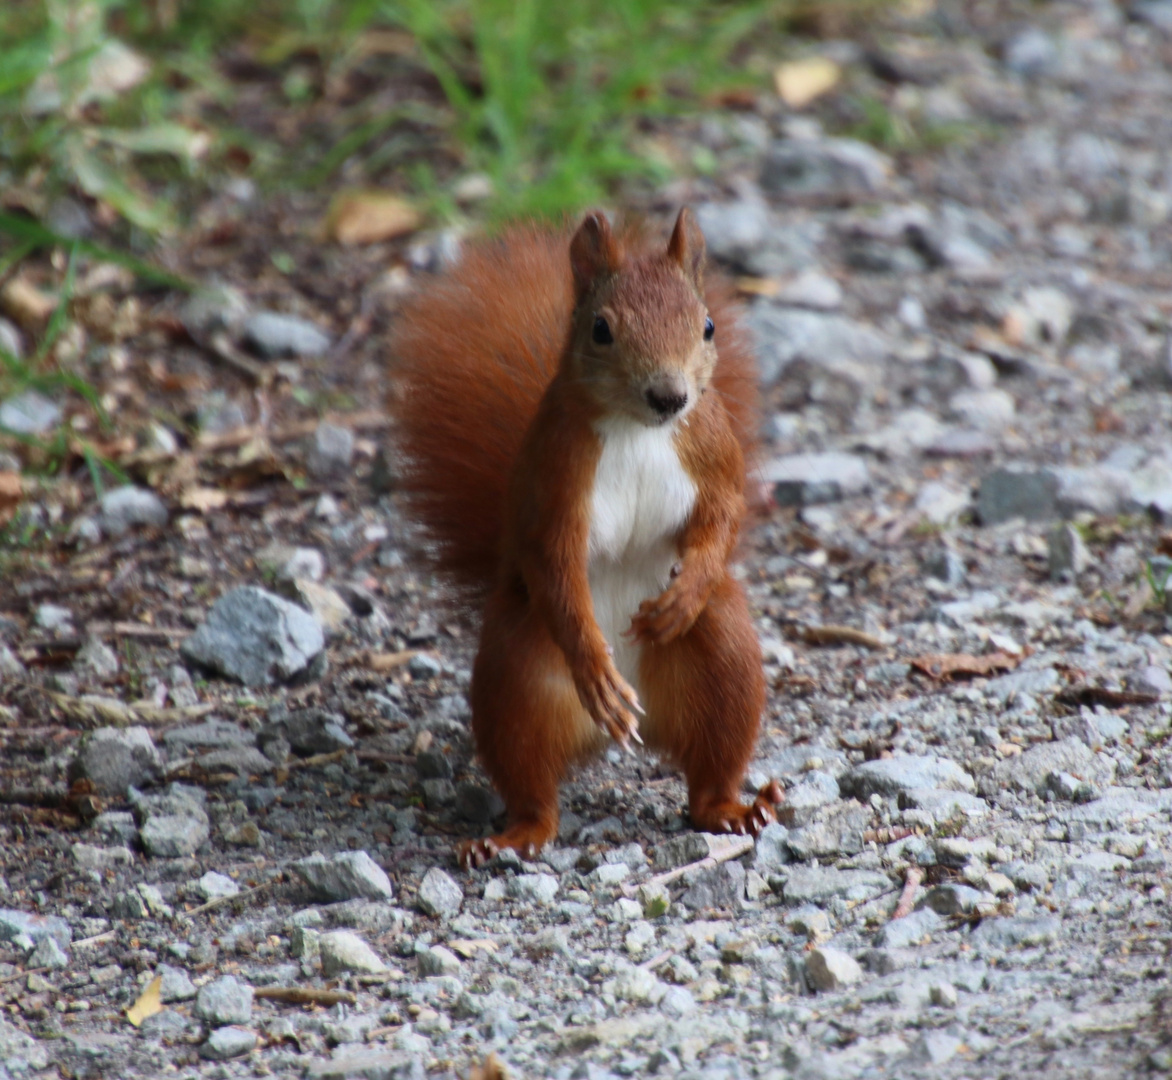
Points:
[(735, 230), (1017, 493), (947, 566), (824, 167), (984, 410), (941, 504), (805, 799), (212, 886), (19, 925), (1028, 931), (1067, 554), (477, 804), (344, 950), (274, 335), (256, 637), (10, 340), (890, 776), (943, 995), (437, 960), (1070, 788), (172, 824), (175, 985), (808, 479), (439, 895), (719, 887), (1031, 53), (212, 308), (114, 759), (95, 659), (289, 563), (53, 618), (811, 289), (818, 884), (224, 1001), (29, 413), (331, 452), (1150, 679), (534, 888), (910, 930), (228, 1042), (48, 954), (1030, 771), (832, 969), (344, 876), (121, 509)]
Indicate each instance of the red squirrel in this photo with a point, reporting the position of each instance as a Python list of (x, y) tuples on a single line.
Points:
[(574, 414)]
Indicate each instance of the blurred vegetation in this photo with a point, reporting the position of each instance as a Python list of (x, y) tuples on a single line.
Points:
[(134, 102)]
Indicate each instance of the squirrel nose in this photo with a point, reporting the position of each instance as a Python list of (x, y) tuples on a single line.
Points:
[(667, 397)]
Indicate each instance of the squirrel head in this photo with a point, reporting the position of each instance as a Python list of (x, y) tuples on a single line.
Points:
[(642, 339)]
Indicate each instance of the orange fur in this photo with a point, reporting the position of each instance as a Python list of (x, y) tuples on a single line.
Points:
[(504, 379)]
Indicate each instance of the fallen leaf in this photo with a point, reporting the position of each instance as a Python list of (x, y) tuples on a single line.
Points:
[(11, 492), (369, 217), (203, 499), (148, 1003), (800, 82), (961, 665), (1101, 695), (840, 635), (25, 304), (758, 286), (468, 949), (492, 1069)]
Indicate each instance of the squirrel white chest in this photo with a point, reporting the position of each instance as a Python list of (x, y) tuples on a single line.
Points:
[(642, 497)]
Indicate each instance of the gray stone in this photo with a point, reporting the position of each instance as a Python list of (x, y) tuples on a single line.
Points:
[(984, 410), (331, 452), (289, 563), (114, 759), (1031, 53), (719, 887), (1036, 682), (53, 618), (832, 969), (29, 413), (48, 954), (344, 876), (808, 479), (439, 895), (308, 731), (212, 732), (224, 1001), (274, 335), (824, 167), (771, 852), (172, 824), (811, 289), (1027, 876), (20, 1052), (1067, 554), (1071, 788), (10, 340), (364, 1064), (228, 1042), (1017, 493), (890, 776), (21, 926), (533, 888), (212, 308), (432, 765), (817, 884), (943, 805), (175, 985), (212, 886), (344, 950), (1150, 679), (436, 960), (121, 509), (1030, 771), (1028, 931), (827, 341), (910, 930), (256, 637), (686, 848), (95, 659), (92, 857), (805, 799), (839, 832), (954, 899), (10, 666), (941, 504), (477, 804), (1156, 13), (734, 231)]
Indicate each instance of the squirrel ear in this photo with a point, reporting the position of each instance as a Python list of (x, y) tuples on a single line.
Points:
[(594, 252), (686, 247)]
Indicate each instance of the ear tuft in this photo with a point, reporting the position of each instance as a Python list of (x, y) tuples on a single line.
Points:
[(686, 247), (594, 253)]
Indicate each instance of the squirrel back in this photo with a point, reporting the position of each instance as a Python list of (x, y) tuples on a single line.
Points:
[(472, 356)]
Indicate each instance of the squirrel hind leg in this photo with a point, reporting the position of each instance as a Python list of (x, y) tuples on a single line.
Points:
[(704, 694), (527, 723)]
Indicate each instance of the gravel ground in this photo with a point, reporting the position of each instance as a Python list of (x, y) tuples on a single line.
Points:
[(962, 598)]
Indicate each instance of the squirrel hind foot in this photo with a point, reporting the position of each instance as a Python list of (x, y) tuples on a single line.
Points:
[(526, 840), (731, 816)]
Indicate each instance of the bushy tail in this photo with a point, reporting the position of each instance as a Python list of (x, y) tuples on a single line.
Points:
[(471, 357)]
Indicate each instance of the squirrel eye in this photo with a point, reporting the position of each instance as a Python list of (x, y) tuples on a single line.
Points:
[(602, 334), (709, 329)]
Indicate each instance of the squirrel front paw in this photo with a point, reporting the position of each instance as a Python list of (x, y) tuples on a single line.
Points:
[(611, 702), (669, 615)]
